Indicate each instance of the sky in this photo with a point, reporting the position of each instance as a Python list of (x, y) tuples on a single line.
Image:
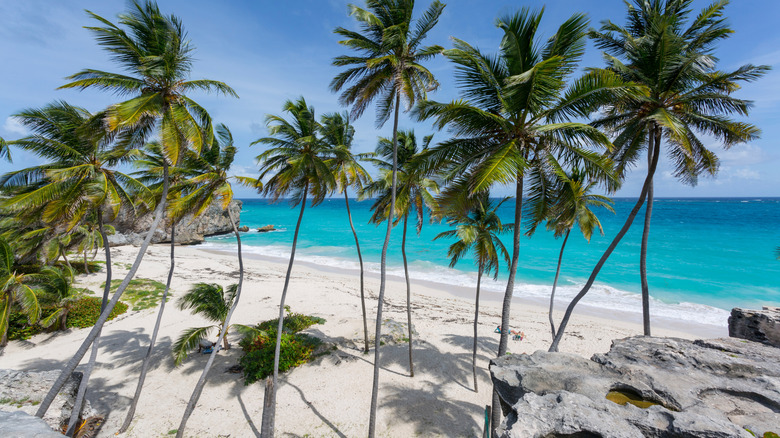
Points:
[(273, 51)]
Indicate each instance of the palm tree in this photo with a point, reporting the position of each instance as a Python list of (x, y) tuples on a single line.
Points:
[(683, 96), (14, 290), (5, 152), (56, 291), (388, 67), (509, 127), (414, 191), (477, 228), (88, 236), (158, 58), (573, 204), (338, 133), (297, 164)]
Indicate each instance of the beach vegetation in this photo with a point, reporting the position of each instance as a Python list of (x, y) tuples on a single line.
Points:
[(416, 189), (141, 293), (477, 228), (296, 166), (387, 66), (679, 97), (296, 349), (15, 292), (85, 312), (348, 172)]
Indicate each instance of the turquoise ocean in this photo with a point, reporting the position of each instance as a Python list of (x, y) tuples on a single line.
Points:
[(705, 256)]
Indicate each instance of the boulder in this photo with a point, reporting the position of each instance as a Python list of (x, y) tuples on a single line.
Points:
[(24, 391), (756, 325), (643, 387), (266, 228), (132, 229), (22, 425), (243, 229)]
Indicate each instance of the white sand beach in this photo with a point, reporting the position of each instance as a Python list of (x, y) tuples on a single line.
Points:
[(326, 398)]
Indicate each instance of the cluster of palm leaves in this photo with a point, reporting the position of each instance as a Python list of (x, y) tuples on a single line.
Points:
[(522, 120)]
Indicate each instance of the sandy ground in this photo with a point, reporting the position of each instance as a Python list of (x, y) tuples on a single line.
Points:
[(329, 397)]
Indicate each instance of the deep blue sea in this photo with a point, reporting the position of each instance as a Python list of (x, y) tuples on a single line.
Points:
[(705, 256)]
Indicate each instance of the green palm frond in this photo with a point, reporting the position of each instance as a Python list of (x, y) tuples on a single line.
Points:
[(188, 341)]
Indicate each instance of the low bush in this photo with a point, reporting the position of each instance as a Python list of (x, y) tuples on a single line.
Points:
[(141, 293), (86, 311), (19, 328), (296, 348)]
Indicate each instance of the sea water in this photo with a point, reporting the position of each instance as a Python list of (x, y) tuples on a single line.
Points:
[(705, 256)]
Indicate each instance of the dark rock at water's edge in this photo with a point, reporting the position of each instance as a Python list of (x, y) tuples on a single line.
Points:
[(705, 388), (266, 228), (756, 325), (131, 230), (244, 229), (22, 425), (24, 390)]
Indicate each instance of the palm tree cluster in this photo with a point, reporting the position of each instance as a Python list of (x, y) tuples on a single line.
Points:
[(523, 119)]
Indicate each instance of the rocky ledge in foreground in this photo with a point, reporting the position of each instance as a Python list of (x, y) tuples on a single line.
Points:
[(673, 388), (131, 230)]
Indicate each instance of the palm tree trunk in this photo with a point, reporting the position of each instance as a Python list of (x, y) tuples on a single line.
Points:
[(555, 283), (643, 250), (269, 415), (360, 258), (65, 257), (610, 249), (155, 332), (497, 412), (95, 332), (408, 296), (222, 335), (476, 320), (383, 276), (82, 391), (86, 266)]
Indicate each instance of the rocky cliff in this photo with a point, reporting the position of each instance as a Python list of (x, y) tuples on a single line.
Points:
[(131, 230), (643, 387)]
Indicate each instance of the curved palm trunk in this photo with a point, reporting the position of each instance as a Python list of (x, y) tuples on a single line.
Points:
[(86, 266), (65, 257), (643, 250), (408, 296), (95, 332), (82, 391), (496, 412), (222, 336), (610, 249), (155, 332), (269, 411), (360, 258), (476, 320), (555, 283), (383, 276)]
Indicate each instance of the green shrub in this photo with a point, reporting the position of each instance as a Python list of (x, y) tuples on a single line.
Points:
[(296, 349), (86, 311), (141, 293), (18, 328)]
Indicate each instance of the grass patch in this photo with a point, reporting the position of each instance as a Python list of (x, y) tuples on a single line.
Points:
[(296, 348), (141, 293), (86, 311)]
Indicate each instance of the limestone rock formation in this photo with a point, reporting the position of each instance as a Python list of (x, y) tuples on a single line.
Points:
[(266, 228), (756, 325), (23, 391), (673, 388), (21, 425), (131, 230)]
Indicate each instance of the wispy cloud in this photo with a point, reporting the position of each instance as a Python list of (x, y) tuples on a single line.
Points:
[(13, 126)]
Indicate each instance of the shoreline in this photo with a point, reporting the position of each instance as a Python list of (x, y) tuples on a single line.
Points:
[(539, 304), (329, 396)]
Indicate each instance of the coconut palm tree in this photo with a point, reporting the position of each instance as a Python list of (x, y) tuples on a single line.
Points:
[(572, 207), (511, 121), (14, 290), (5, 152), (154, 51), (415, 190), (477, 228), (297, 165), (338, 133), (388, 67), (671, 56), (56, 291)]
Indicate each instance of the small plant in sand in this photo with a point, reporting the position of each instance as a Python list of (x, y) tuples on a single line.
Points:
[(141, 293), (296, 348)]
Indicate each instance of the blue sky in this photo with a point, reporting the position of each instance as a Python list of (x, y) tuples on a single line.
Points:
[(273, 51)]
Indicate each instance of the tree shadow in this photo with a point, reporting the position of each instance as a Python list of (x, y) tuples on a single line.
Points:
[(247, 416), (486, 347), (317, 412), (444, 367)]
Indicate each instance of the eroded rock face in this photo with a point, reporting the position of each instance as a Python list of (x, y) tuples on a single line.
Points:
[(714, 388), (756, 325), (21, 425), (131, 230), (24, 391)]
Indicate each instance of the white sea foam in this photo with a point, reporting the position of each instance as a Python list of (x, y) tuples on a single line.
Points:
[(600, 296)]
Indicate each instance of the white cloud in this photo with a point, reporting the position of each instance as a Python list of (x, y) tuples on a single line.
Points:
[(742, 155), (749, 174), (13, 126)]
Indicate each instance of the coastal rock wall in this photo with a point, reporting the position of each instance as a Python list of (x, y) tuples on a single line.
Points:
[(756, 325), (643, 387), (131, 230)]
